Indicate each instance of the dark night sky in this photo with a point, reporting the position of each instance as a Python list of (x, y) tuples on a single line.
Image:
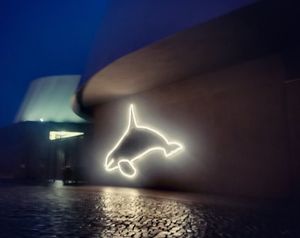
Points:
[(52, 37)]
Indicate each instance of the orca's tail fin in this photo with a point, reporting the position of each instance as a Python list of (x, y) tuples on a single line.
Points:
[(173, 148)]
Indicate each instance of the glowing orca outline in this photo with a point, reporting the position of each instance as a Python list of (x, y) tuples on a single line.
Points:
[(132, 119)]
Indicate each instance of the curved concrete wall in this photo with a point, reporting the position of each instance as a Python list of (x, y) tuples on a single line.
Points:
[(231, 122), (232, 109), (133, 24)]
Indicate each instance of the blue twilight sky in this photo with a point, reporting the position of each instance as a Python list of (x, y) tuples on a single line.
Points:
[(53, 37), (40, 38)]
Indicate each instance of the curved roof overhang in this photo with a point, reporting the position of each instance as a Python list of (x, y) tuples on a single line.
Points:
[(241, 35)]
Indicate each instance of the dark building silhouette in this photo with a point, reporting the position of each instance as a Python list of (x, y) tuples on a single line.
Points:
[(46, 141)]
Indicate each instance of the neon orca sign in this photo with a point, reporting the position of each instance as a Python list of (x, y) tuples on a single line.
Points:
[(136, 143)]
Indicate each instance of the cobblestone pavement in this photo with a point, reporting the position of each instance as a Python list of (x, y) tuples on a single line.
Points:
[(107, 212)]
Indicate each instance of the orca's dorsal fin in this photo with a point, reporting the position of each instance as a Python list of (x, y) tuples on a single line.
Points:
[(132, 119)]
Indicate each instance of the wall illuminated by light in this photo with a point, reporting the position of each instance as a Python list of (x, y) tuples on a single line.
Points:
[(49, 99), (55, 135), (136, 143)]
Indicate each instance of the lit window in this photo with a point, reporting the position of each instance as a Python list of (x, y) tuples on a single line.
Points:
[(55, 135)]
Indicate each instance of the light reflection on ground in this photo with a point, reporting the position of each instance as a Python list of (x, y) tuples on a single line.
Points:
[(57, 211), (136, 216)]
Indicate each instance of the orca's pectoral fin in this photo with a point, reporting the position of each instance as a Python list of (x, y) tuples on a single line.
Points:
[(127, 168), (172, 149)]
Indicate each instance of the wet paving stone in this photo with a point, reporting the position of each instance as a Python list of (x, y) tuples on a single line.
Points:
[(89, 212)]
